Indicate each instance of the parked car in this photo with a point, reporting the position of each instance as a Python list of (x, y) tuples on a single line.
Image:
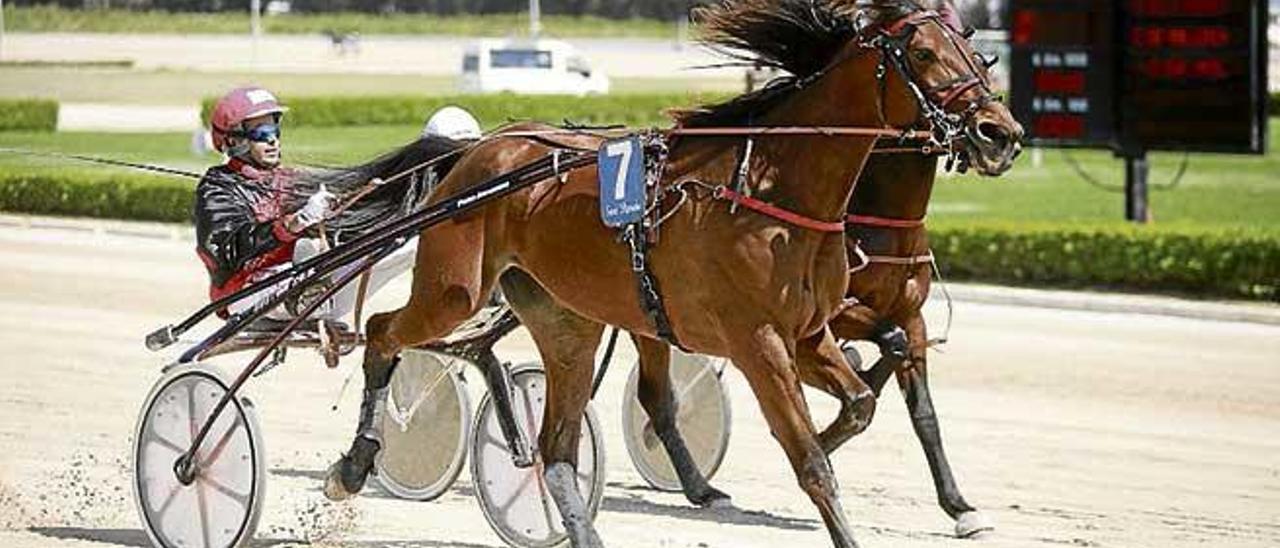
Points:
[(529, 66)]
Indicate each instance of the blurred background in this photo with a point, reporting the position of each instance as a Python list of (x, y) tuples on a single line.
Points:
[(129, 79)]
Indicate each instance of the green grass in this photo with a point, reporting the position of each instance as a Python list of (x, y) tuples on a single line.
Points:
[(98, 85), (1221, 191), (1218, 193), (55, 19)]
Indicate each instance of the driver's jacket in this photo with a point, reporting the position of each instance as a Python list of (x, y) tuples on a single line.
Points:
[(239, 216)]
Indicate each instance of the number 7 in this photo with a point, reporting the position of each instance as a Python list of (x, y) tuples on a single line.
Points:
[(623, 149)]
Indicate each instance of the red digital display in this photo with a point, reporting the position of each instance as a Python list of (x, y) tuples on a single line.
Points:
[(1059, 126), (1179, 37), (1176, 68), (1059, 81), (1179, 8), (1024, 26)]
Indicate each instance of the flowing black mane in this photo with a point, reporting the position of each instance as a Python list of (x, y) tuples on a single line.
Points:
[(800, 37), (391, 200)]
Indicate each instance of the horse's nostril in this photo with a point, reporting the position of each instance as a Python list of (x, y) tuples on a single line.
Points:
[(993, 133)]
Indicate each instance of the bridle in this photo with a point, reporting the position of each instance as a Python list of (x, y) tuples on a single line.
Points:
[(892, 41)]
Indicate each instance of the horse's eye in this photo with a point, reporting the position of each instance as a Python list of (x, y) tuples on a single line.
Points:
[(922, 55)]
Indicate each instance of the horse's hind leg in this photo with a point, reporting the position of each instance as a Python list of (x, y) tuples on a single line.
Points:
[(659, 402), (567, 343), (449, 286), (861, 323), (914, 382), (765, 358), (822, 365)]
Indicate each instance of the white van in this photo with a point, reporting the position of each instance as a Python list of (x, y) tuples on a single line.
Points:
[(529, 66)]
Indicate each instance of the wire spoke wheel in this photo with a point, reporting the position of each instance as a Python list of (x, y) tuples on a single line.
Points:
[(425, 427), (516, 501), (703, 417), (221, 506)]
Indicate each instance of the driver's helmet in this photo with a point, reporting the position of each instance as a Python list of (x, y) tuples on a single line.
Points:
[(454, 123), (237, 106)]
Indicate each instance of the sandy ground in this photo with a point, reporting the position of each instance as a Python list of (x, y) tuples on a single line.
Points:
[(1067, 428)]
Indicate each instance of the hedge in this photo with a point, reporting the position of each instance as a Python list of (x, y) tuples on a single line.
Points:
[(1194, 262), (118, 197), (633, 110), (1232, 264), (28, 115)]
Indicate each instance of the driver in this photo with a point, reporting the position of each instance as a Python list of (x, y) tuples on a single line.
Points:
[(244, 232)]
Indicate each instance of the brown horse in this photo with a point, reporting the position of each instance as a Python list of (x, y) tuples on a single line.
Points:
[(886, 217), (891, 292), (738, 284)]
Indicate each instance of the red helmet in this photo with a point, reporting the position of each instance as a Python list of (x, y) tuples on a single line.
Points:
[(237, 106)]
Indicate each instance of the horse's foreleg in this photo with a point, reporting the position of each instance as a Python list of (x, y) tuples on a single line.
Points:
[(822, 365), (449, 286), (567, 343), (914, 382), (766, 359), (659, 402)]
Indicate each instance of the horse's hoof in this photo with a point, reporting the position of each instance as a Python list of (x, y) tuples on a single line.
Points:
[(712, 498), (334, 489), (972, 524), (719, 503)]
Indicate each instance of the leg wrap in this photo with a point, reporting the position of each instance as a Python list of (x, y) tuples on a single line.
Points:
[(893, 342), (371, 409)]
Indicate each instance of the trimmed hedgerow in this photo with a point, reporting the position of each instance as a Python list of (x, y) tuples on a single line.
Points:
[(117, 197), (28, 115), (1230, 264), (633, 110)]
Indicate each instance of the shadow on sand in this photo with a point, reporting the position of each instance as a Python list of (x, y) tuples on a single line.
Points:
[(619, 497), (138, 538)]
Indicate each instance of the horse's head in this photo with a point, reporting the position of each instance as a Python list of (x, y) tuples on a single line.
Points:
[(947, 80), (834, 51)]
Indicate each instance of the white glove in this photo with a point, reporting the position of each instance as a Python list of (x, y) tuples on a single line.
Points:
[(317, 209)]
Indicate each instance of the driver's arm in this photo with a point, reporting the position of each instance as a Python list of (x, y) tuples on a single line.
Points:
[(227, 232)]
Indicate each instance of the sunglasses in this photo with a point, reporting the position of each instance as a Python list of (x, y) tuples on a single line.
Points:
[(264, 133)]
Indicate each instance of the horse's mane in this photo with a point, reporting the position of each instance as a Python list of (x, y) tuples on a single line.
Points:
[(800, 37), (391, 200)]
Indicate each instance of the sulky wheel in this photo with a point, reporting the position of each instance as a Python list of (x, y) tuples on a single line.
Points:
[(425, 427), (515, 501), (703, 419), (220, 505)]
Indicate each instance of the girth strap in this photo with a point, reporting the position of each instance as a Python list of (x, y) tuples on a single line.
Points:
[(647, 284), (904, 261), (883, 222)]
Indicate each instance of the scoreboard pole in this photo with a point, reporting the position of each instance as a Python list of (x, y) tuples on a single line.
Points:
[(1136, 170)]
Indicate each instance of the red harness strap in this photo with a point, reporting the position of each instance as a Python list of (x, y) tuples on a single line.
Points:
[(884, 222), (769, 210)]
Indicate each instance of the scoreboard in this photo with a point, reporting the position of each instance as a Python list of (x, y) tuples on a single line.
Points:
[(1062, 71), (1138, 75)]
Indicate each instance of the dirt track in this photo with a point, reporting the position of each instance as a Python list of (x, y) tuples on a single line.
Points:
[(1067, 428)]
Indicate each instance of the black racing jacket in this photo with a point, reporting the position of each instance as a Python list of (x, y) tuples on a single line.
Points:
[(239, 216)]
